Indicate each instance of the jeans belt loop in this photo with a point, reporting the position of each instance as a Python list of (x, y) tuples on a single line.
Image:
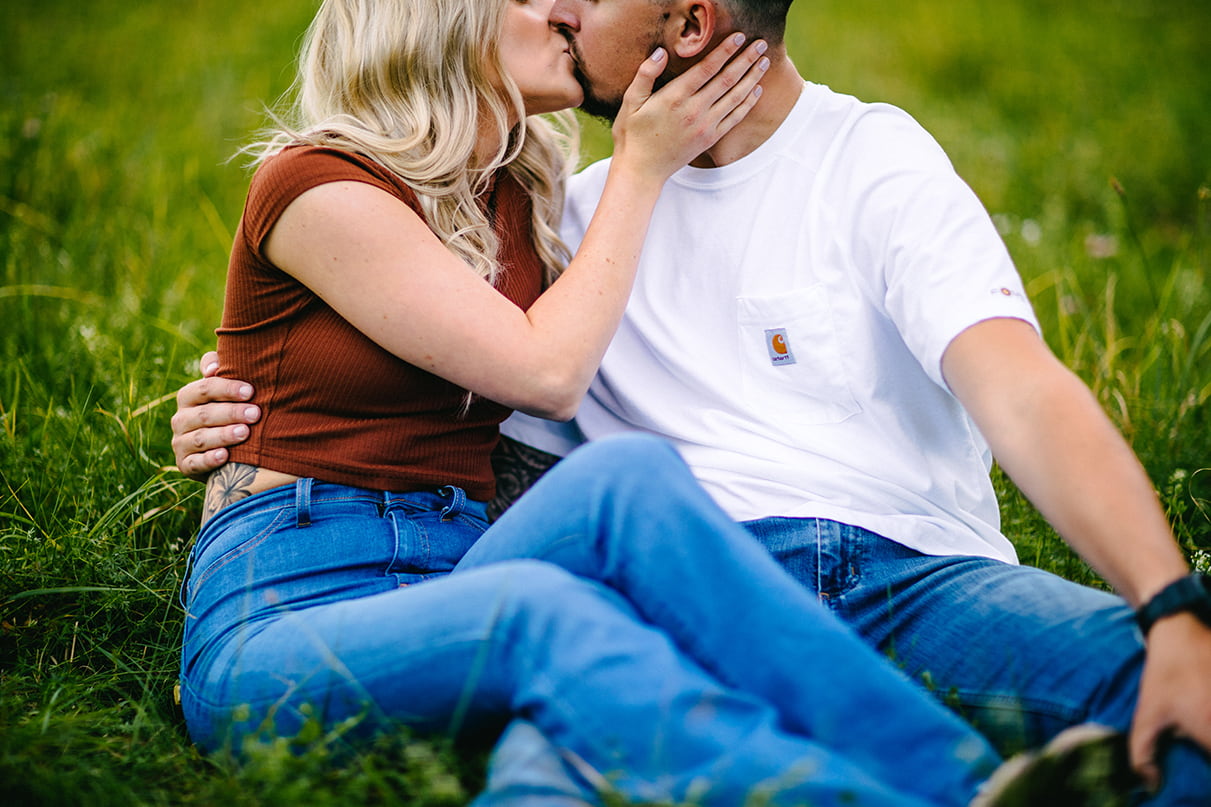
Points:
[(302, 501), (455, 508)]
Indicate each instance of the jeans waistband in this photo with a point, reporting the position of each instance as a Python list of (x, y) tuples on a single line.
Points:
[(459, 503), (306, 494)]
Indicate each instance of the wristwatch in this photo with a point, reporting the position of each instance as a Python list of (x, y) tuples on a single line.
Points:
[(1191, 593)]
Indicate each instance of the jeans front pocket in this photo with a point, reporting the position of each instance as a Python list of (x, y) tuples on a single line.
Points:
[(432, 532)]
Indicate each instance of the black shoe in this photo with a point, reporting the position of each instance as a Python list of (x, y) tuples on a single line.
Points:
[(1083, 766)]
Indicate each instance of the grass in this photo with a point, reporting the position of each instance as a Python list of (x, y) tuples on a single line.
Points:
[(1082, 127)]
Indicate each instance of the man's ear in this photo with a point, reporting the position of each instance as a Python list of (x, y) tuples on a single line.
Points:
[(692, 25)]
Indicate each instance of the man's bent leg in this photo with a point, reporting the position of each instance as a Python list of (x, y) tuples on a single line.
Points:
[(1018, 651)]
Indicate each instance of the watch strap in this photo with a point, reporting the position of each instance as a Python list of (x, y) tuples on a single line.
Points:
[(1191, 593)]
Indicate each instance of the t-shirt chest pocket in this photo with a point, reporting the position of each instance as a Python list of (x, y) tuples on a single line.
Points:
[(791, 366)]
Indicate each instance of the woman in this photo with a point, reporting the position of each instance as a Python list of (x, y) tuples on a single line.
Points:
[(386, 296)]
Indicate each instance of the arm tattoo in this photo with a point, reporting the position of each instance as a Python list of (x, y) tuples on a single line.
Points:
[(227, 486), (517, 467)]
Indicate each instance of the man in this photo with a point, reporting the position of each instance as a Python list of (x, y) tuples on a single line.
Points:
[(828, 328)]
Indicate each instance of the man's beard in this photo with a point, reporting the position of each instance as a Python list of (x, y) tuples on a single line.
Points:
[(599, 107), (605, 108)]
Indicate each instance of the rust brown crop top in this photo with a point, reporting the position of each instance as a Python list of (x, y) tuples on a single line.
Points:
[(336, 406)]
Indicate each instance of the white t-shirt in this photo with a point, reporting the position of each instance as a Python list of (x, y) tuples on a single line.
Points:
[(788, 322)]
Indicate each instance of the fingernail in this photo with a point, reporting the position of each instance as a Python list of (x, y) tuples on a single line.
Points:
[(763, 64), (212, 367), (252, 413), (762, 47), (245, 391), (658, 55), (738, 39), (757, 91), (241, 431)]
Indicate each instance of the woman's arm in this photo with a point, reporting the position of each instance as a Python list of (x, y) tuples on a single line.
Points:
[(377, 264)]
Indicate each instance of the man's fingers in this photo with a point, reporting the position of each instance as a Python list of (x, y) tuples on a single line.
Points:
[(190, 417), (201, 450), (205, 390), (209, 363), (210, 417), (199, 466), (1174, 693), (1143, 744), (201, 440), (197, 441)]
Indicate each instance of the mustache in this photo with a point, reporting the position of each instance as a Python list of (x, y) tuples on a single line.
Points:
[(592, 104), (577, 62)]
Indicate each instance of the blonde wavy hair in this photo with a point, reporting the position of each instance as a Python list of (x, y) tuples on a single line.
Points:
[(406, 83)]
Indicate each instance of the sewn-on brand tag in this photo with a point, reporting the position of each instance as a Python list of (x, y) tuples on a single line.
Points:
[(779, 347)]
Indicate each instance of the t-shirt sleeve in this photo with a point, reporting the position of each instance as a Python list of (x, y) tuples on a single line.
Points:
[(293, 171), (938, 261)]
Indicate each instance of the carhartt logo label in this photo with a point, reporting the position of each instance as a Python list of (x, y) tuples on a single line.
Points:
[(779, 347)]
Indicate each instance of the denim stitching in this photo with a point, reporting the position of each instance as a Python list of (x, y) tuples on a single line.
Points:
[(238, 551)]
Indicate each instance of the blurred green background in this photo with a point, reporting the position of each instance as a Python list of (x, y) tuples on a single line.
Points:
[(1083, 127)]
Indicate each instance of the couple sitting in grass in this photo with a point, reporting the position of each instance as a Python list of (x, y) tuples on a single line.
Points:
[(792, 357)]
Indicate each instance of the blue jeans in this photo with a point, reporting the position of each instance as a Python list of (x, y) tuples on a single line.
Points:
[(615, 613), (1019, 652)]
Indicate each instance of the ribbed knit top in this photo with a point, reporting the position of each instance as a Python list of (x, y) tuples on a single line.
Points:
[(336, 406)]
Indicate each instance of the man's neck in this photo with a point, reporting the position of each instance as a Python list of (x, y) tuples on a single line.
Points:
[(780, 89)]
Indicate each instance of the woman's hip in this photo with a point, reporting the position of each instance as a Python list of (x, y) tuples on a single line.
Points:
[(292, 548)]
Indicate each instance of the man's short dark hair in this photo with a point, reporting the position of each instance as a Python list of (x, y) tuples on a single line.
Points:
[(760, 18)]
